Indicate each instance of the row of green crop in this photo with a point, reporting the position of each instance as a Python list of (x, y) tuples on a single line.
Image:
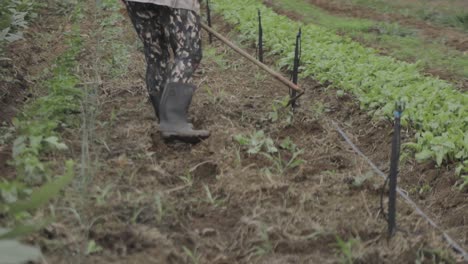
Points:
[(434, 108), (38, 126)]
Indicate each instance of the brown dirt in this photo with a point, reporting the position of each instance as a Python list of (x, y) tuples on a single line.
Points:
[(149, 202), (452, 37)]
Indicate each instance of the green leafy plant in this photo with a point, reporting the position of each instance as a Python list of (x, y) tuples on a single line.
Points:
[(256, 143), (36, 126), (280, 111), (17, 252), (259, 143), (282, 163), (14, 16)]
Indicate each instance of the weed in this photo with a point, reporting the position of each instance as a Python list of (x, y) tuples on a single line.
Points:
[(214, 97), (259, 77), (266, 246), (360, 180), (280, 111), (425, 255), (192, 255), (102, 195), (92, 248), (345, 249), (317, 109), (425, 189), (187, 179), (210, 53), (213, 200), (162, 207)]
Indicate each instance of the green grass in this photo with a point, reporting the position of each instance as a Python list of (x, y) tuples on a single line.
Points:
[(400, 42), (442, 12), (313, 14)]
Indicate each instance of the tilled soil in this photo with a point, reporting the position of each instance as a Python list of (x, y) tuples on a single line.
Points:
[(453, 37), (149, 202)]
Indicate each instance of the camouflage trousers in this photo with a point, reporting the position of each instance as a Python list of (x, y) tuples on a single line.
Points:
[(162, 30)]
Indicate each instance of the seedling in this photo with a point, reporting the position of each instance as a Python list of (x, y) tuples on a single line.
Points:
[(213, 200), (256, 143), (187, 179), (102, 195), (360, 180), (345, 249), (266, 246), (280, 111), (92, 248), (162, 207), (282, 165), (192, 255)]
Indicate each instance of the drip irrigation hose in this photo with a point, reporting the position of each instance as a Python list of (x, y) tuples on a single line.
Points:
[(453, 244)]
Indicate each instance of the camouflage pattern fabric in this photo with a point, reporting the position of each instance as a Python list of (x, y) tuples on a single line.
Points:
[(162, 29)]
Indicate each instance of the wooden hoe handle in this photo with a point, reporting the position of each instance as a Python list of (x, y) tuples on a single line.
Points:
[(277, 75)]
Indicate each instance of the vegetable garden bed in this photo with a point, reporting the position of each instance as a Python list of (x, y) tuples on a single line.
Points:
[(434, 108)]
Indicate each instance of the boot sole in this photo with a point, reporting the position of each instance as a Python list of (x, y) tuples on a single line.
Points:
[(169, 137)]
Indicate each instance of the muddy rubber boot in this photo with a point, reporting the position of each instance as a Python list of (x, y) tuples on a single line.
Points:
[(155, 99), (173, 109)]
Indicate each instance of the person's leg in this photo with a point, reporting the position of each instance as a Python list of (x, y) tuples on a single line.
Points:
[(183, 29), (146, 20)]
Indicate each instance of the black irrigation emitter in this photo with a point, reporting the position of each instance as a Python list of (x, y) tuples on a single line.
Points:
[(208, 18), (260, 37), (295, 71), (393, 175)]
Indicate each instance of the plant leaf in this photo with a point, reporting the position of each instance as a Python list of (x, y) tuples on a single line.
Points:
[(13, 252), (42, 195)]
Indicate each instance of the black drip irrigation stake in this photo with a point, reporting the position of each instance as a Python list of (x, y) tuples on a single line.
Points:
[(394, 162), (295, 72), (455, 246), (208, 18), (260, 37)]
